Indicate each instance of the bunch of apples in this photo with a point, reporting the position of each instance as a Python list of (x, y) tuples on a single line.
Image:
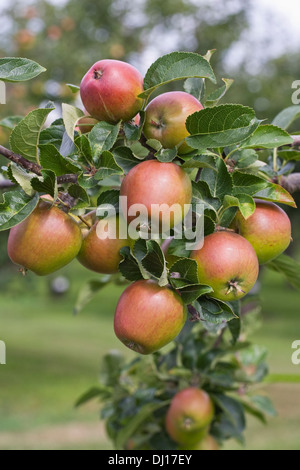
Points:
[(148, 316)]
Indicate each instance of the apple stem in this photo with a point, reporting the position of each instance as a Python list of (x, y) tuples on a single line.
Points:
[(85, 221)]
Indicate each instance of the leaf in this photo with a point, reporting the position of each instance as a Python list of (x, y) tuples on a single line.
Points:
[(220, 126), (51, 159), (187, 269), (286, 155), (88, 291), (24, 138), (235, 324), (79, 193), (151, 257), (22, 177), (73, 88), (244, 158), (220, 181), (268, 137), (94, 392), (132, 131), (166, 155), (212, 311), (10, 122), (247, 184), (176, 66), (202, 195), (286, 117), (46, 184), (201, 161), (15, 208), (111, 198), (52, 135), (190, 293), (244, 202), (84, 147), (125, 158), (217, 95), (143, 414), (129, 266), (102, 137), (16, 69), (71, 115), (108, 166), (263, 404), (233, 411), (67, 146), (288, 267), (276, 193), (138, 150), (195, 87)]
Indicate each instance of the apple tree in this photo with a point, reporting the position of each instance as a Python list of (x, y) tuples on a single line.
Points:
[(182, 148)]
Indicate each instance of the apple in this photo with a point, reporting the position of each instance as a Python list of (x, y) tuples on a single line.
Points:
[(85, 124), (190, 413), (152, 182), (148, 316), (166, 116), (207, 443), (228, 263), (99, 254), (109, 91), (46, 241), (268, 230)]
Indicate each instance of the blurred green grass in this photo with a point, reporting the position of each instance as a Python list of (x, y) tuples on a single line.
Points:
[(53, 357)]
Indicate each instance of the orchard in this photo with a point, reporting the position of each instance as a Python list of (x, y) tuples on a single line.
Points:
[(179, 199)]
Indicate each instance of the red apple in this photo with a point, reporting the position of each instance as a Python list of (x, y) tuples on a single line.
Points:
[(152, 182), (268, 230), (166, 116), (190, 413), (228, 263), (110, 89), (148, 316), (46, 241), (100, 254)]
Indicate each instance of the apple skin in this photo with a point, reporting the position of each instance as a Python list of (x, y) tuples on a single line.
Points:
[(189, 415), (166, 116), (102, 256), (86, 124), (46, 241), (152, 182), (148, 316), (268, 230), (109, 91), (207, 443), (228, 263)]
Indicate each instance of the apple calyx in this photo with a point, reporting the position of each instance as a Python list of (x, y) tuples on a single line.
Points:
[(187, 423), (234, 286), (158, 125), (98, 74)]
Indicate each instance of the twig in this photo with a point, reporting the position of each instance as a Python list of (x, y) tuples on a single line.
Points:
[(19, 160), (67, 179)]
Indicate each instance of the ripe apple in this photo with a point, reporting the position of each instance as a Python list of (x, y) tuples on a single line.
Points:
[(268, 230), (207, 443), (166, 116), (189, 415), (228, 263), (110, 89), (148, 316), (46, 241), (99, 254), (152, 182)]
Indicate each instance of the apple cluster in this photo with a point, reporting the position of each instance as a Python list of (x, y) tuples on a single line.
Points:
[(149, 316)]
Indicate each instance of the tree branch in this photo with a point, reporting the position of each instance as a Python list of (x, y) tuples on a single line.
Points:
[(19, 160), (67, 179)]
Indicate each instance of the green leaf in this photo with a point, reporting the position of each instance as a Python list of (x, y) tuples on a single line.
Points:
[(287, 116), (217, 95), (176, 66), (276, 193), (17, 69), (195, 87), (73, 88), (71, 115), (247, 184), (129, 266), (138, 150), (190, 293), (220, 126), (201, 161), (202, 195), (24, 138), (288, 267), (244, 202), (151, 257), (108, 166), (110, 197), (212, 311), (52, 135), (20, 176), (133, 132), (102, 137), (187, 269), (233, 411), (263, 404), (235, 324), (268, 137), (15, 208), (88, 291), (220, 181), (46, 183), (244, 158), (166, 155), (79, 193), (125, 158), (84, 147), (94, 392), (288, 155), (145, 413), (10, 122), (51, 159)]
